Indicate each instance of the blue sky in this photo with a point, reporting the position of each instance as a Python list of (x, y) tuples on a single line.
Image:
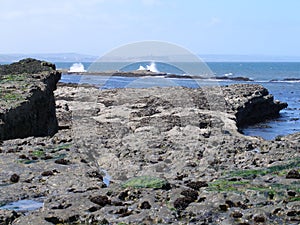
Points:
[(259, 27)]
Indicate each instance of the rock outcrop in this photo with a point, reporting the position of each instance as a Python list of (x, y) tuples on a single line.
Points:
[(27, 105), (252, 103)]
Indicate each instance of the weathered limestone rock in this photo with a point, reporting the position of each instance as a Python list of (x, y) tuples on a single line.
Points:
[(152, 156), (27, 105), (252, 103)]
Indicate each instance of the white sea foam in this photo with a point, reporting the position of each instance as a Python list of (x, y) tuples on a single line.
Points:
[(141, 68), (228, 74), (151, 68), (77, 68)]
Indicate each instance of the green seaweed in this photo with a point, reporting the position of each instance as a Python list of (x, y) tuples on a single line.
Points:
[(271, 191), (12, 78), (270, 170), (145, 182), (10, 96), (223, 185), (38, 153), (294, 199)]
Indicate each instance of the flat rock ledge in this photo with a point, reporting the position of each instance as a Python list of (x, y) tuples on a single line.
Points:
[(27, 105), (154, 156)]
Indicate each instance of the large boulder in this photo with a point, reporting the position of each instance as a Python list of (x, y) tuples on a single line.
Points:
[(27, 105)]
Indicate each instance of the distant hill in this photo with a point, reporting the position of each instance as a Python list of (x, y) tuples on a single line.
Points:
[(53, 57), (248, 58)]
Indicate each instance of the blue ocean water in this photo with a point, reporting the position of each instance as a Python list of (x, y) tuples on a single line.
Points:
[(282, 79)]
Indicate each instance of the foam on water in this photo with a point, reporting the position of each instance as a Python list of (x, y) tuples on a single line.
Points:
[(152, 68), (77, 68)]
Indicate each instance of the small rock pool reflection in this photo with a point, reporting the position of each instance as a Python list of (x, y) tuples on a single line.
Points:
[(24, 205)]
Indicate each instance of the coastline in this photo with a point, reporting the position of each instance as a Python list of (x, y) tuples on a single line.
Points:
[(139, 74)]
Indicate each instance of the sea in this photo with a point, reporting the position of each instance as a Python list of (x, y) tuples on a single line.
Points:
[(282, 79)]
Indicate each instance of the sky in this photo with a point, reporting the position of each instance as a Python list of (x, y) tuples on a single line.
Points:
[(94, 27)]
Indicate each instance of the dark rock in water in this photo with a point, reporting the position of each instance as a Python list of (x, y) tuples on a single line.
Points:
[(291, 79), (180, 76), (234, 78), (252, 103), (27, 106), (137, 74)]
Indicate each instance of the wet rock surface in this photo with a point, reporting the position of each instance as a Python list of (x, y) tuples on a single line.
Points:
[(173, 156)]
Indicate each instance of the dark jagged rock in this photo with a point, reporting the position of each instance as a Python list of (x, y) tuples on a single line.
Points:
[(27, 106), (252, 103), (137, 74), (100, 200), (27, 66), (196, 185), (293, 174), (190, 194), (182, 203), (234, 78)]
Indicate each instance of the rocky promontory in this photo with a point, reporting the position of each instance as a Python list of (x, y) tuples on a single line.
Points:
[(27, 105), (153, 156)]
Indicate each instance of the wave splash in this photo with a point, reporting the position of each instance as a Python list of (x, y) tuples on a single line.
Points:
[(152, 68), (77, 68)]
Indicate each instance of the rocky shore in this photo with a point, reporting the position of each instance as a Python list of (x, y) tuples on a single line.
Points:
[(154, 156)]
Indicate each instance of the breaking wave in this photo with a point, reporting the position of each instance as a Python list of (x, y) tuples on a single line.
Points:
[(77, 68), (152, 67)]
